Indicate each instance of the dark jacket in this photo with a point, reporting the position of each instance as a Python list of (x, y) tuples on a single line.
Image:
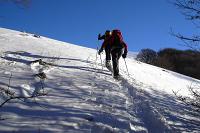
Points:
[(110, 41)]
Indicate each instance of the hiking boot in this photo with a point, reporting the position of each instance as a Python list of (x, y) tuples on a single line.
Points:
[(116, 77), (108, 63)]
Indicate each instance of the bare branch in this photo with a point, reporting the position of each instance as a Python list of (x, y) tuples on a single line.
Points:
[(193, 101), (189, 8), (23, 97), (9, 80), (19, 3), (11, 94), (190, 42)]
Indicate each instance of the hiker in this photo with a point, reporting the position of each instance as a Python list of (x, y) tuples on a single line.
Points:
[(105, 37), (117, 47)]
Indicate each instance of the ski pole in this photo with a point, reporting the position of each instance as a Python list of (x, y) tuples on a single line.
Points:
[(100, 56), (96, 57), (101, 62), (126, 66)]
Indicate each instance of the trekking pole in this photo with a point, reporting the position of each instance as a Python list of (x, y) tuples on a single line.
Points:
[(101, 62), (100, 56), (126, 67), (96, 55)]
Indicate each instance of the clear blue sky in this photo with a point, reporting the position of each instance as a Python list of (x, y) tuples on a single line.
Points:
[(144, 23)]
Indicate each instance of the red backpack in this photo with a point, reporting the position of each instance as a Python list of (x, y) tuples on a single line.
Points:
[(117, 39)]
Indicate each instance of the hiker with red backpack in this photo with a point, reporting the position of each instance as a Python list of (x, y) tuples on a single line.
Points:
[(106, 37), (117, 47)]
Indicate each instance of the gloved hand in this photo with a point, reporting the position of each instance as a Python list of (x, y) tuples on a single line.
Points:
[(99, 37), (100, 50), (124, 54)]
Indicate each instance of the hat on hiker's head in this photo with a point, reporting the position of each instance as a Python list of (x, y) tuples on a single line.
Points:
[(108, 32)]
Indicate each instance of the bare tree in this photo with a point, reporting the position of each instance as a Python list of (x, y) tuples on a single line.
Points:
[(19, 3), (191, 10), (147, 56)]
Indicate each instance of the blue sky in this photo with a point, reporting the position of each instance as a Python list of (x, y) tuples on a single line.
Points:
[(144, 23)]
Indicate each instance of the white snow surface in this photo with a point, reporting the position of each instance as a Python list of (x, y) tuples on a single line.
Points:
[(84, 98)]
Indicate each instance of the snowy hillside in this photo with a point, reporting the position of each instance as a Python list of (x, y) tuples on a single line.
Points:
[(81, 97)]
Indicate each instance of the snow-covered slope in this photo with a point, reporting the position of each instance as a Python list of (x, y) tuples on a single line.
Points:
[(83, 97)]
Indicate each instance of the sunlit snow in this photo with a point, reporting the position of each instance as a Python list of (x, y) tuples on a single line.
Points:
[(84, 98)]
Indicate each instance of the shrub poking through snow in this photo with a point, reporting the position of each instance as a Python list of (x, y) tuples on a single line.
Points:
[(9, 94), (194, 99)]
